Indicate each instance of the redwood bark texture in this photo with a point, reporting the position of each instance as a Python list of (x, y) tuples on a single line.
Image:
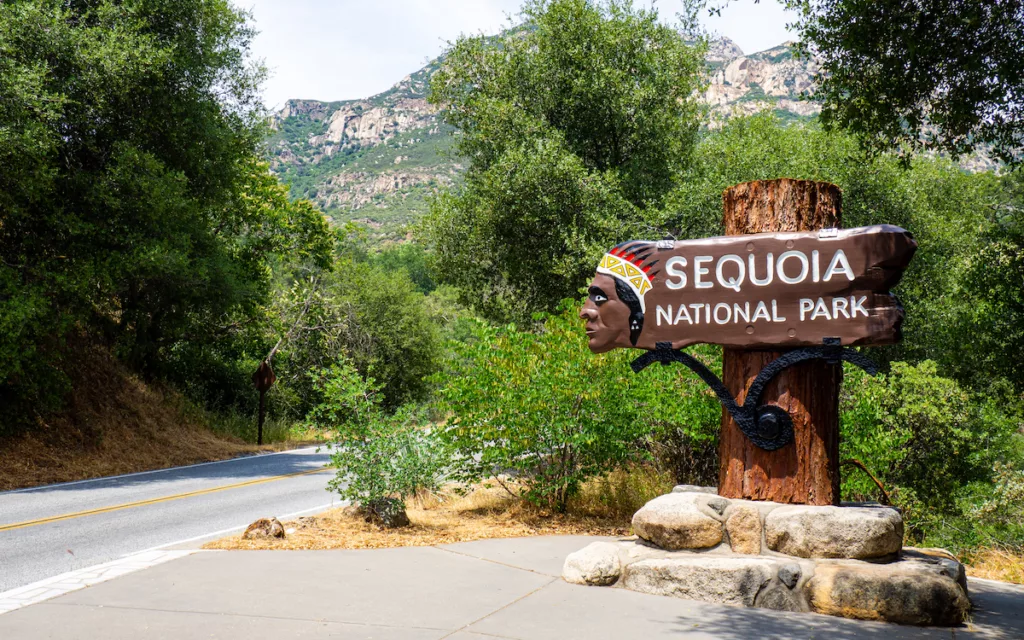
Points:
[(807, 470)]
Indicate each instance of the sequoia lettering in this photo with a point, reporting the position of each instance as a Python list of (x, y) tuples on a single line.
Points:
[(732, 271)]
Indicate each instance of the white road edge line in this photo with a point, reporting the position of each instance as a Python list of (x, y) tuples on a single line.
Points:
[(239, 527), (168, 469), (65, 583)]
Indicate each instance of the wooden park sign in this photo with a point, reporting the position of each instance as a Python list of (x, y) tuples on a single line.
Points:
[(764, 290), (786, 278)]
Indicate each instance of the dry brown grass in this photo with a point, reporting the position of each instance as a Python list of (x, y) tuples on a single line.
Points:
[(997, 564), (604, 507), (114, 424)]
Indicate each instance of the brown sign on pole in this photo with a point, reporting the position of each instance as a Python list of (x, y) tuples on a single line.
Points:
[(766, 290), (263, 378), (786, 293)]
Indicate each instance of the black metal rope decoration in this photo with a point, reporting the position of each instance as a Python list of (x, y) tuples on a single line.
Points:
[(768, 427)]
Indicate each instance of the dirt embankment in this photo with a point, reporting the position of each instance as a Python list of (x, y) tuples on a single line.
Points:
[(113, 423)]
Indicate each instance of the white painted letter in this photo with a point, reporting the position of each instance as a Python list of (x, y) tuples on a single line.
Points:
[(696, 312), (799, 255), (839, 260), (806, 304), (670, 267), (840, 305), (683, 315), (761, 311), (728, 313), (699, 271), (775, 312), (734, 283), (667, 314), (753, 275), (821, 309), (815, 266), (858, 305), (744, 311)]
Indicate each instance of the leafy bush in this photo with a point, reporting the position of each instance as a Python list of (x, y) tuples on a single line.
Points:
[(541, 406), (410, 257), (378, 319), (928, 439), (381, 459)]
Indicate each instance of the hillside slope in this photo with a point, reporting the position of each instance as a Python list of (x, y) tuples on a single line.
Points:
[(114, 423), (375, 161)]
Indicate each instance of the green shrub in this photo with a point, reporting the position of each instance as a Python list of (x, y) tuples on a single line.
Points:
[(380, 458), (928, 439), (541, 406)]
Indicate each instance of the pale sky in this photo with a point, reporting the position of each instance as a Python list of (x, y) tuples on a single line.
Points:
[(348, 49)]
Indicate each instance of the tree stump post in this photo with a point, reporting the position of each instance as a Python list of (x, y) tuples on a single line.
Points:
[(807, 470)]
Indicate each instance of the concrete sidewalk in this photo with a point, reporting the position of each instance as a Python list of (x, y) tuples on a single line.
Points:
[(469, 591)]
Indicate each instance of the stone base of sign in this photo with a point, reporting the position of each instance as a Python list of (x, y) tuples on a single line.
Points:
[(693, 518), (843, 561)]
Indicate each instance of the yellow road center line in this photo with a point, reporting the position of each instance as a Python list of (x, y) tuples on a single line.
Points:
[(142, 503)]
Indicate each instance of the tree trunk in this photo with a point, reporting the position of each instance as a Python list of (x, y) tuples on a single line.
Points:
[(806, 471)]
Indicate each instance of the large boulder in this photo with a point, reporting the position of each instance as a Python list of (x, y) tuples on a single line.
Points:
[(682, 521), (834, 532), (894, 593), (595, 564), (721, 580)]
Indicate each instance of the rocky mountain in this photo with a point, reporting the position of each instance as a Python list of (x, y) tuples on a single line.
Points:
[(375, 161)]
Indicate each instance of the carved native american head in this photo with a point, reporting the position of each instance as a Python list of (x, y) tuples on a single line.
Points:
[(615, 307)]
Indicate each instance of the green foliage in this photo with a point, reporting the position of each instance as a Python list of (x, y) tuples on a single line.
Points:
[(1001, 516), (908, 74), (376, 316), (409, 257), (922, 434), (574, 126), (949, 457), (527, 234), (377, 456), (391, 334), (990, 327), (539, 404), (132, 202)]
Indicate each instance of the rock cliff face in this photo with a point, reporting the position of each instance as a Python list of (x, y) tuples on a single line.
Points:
[(376, 160), (775, 78)]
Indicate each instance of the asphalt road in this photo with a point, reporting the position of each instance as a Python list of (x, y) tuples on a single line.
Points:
[(46, 531)]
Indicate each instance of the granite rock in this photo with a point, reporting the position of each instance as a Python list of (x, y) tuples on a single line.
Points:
[(596, 564), (264, 529), (692, 488), (777, 596), (789, 574), (743, 524), (889, 592), (834, 532), (679, 521), (720, 580)]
